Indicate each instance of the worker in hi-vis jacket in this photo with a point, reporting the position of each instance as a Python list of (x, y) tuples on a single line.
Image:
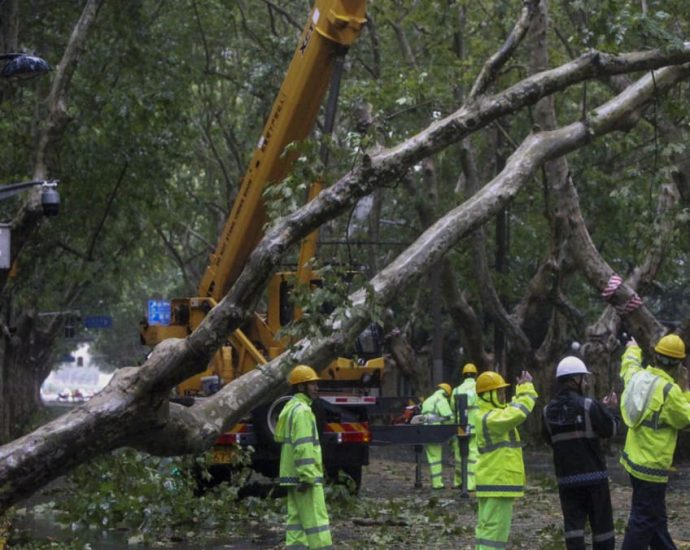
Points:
[(301, 465)]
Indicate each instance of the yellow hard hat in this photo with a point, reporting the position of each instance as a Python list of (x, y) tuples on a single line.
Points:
[(490, 380), (445, 387), (302, 374), (469, 368), (671, 345)]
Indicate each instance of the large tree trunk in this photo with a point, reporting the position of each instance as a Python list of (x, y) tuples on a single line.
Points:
[(134, 410)]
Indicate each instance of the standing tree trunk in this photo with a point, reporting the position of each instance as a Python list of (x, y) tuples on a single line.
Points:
[(25, 348), (26, 364), (134, 409)]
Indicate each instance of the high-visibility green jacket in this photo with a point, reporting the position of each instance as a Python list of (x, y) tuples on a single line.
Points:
[(300, 455), (437, 404), (500, 468), (654, 408), (468, 387)]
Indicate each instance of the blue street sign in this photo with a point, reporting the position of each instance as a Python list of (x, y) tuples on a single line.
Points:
[(98, 321), (159, 312)]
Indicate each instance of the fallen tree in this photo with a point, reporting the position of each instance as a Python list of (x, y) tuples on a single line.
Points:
[(133, 410)]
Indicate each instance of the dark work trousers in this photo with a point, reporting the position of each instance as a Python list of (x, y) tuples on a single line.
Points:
[(647, 524), (591, 502)]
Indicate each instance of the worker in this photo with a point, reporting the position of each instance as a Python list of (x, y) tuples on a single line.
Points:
[(500, 469), (301, 465), (436, 409), (573, 426), (655, 404), (467, 387)]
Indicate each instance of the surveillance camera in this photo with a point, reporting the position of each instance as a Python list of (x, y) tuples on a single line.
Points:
[(50, 200)]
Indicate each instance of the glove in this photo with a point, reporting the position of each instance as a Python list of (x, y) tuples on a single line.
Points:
[(524, 377), (611, 399)]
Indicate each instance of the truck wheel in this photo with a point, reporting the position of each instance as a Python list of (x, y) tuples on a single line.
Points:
[(347, 475), (264, 437), (274, 412), (264, 420), (355, 472), (214, 476)]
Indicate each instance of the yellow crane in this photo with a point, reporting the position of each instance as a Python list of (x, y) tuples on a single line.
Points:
[(331, 28)]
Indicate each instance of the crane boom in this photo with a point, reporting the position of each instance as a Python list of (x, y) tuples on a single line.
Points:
[(332, 26)]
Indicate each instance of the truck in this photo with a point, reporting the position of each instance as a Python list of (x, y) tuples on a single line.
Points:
[(351, 384)]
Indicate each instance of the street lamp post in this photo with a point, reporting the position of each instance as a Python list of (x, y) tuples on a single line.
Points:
[(50, 202), (50, 198), (22, 65)]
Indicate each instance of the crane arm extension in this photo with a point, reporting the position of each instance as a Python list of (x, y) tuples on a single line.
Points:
[(332, 26)]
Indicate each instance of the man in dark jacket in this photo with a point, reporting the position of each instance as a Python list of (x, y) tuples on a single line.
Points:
[(573, 425)]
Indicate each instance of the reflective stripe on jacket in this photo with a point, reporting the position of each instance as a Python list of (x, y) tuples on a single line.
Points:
[(300, 455), (468, 388), (500, 468), (573, 426), (654, 408), (437, 405)]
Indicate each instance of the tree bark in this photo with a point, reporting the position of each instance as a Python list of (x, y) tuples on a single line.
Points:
[(134, 410), (26, 347)]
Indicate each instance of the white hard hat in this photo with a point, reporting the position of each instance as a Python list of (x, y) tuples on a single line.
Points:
[(571, 365)]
